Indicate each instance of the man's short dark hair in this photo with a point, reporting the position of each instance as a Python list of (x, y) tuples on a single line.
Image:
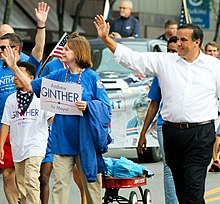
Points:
[(197, 32), (14, 40), (170, 22), (30, 68)]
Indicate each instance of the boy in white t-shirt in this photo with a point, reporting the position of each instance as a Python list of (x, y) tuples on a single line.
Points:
[(28, 126)]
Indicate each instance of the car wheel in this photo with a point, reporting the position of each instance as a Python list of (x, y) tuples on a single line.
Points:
[(152, 154), (133, 198)]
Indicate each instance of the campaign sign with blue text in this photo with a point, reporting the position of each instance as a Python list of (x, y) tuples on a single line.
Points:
[(60, 97), (199, 11)]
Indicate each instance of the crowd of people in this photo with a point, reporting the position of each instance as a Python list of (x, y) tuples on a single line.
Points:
[(37, 148), (33, 142)]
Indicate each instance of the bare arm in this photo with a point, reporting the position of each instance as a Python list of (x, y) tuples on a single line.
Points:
[(103, 32), (151, 113), (3, 136), (41, 13), (10, 58)]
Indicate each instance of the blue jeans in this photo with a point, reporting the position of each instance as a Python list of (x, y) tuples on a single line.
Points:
[(169, 187)]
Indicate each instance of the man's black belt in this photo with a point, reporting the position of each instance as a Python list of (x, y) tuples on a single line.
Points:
[(187, 125)]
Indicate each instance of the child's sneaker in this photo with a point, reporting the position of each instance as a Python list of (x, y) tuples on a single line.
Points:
[(215, 167)]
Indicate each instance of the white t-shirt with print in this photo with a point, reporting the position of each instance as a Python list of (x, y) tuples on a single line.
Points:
[(28, 133)]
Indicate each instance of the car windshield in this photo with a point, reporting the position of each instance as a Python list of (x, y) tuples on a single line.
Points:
[(103, 60), (109, 65)]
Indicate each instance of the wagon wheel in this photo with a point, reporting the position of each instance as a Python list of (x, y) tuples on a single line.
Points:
[(147, 197), (133, 198)]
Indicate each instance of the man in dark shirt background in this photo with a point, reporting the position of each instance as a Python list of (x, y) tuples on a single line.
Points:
[(125, 26), (170, 30)]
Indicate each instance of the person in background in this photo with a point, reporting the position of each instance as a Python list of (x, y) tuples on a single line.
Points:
[(155, 96), (68, 148), (14, 41), (215, 167), (28, 139), (45, 170), (172, 45), (170, 30), (5, 28), (212, 48), (47, 163), (125, 26), (189, 80)]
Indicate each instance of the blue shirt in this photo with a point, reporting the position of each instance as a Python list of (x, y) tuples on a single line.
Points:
[(65, 128), (23, 58), (155, 95), (126, 27), (51, 66), (7, 85)]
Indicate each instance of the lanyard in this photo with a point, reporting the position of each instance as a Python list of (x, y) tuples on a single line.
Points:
[(78, 79)]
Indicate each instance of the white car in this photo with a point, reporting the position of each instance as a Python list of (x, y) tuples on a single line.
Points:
[(127, 91)]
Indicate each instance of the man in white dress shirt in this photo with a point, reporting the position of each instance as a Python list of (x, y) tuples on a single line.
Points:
[(190, 87)]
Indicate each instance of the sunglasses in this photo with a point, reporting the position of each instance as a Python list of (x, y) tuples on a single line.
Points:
[(2, 47), (171, 50)]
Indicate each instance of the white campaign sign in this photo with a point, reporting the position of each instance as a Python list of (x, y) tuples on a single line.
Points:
[(60, 97)]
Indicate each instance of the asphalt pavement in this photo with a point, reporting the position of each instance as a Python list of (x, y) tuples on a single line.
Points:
[(155, 185)]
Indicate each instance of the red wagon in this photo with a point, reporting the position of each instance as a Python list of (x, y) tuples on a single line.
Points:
[(113, 185)]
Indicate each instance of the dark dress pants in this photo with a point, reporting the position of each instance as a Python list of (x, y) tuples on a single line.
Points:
[(188, 153)]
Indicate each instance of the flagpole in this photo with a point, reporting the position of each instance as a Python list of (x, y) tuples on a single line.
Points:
[(51, 54), (106, 9), (42, 66), (186, 11)]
